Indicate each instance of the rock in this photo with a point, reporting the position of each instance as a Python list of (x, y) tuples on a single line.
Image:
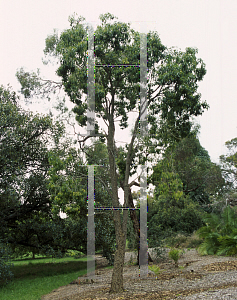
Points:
[(151, 273), (82, 281)]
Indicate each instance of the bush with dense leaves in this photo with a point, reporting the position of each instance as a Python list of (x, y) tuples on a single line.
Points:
[(219, 233), (172, 211)]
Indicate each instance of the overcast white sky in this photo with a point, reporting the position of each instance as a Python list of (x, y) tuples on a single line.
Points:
[(209, 25)]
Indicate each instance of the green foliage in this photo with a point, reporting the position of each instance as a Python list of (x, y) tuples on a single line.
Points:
[(29, 82), (187, 159), (176, 72), (73, 253), (229, 170), (228, 244), (219, 233), (36, 182), (131, 235), (68, 189), (105, 236), (175, 254), (176, 240), (155, 269), (172, 211), (25, 203)]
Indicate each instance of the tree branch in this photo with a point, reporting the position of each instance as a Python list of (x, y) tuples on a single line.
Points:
[(134, 183)]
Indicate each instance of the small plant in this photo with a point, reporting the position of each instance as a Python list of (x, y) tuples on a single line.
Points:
[(175, 254), (155, 269), (73, 253)]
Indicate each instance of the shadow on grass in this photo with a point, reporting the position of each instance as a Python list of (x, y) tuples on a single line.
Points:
[(48, 269)]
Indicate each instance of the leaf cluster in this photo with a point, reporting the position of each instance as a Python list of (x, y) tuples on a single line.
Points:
[(219, 233)]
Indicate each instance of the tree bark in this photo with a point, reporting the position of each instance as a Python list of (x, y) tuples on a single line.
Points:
[(136, 226), (117, 276), (120, 227), (120, 232)]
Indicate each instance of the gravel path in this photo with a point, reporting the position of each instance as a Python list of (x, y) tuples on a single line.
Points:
[(225, 277), (223, 294), (208, 277)]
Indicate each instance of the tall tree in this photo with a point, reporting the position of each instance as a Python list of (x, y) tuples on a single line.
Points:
[(201, 178), (68, 190), (173, 78), (24, 197), (229, 170), (35, 181)]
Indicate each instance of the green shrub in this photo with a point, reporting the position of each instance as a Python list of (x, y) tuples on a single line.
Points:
[(155, 269), (219, 234), (73, 253), (228, 244), (174, 214), (175, 254)]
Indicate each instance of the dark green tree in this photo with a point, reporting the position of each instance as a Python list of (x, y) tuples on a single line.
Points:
[(201, 178), (173, 211), (68, 188), (27, 222), (229, 171)]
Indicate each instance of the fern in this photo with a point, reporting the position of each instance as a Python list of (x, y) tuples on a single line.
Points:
[(228, 244), (219, 234)]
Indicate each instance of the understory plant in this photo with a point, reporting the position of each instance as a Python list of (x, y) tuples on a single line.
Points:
[(175, 254), (155, 269), (219, 234)]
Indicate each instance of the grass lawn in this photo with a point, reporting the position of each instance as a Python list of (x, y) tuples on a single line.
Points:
[(34, 278)]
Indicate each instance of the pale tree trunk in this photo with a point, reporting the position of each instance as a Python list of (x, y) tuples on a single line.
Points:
[(136, 228), (136, 225), (117, 276), (120, 227)]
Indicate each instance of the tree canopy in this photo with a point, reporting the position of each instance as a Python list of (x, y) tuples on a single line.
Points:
[(40, 178), (191, 163)]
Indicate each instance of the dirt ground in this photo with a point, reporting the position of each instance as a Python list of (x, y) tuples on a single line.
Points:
[(193, 268)]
